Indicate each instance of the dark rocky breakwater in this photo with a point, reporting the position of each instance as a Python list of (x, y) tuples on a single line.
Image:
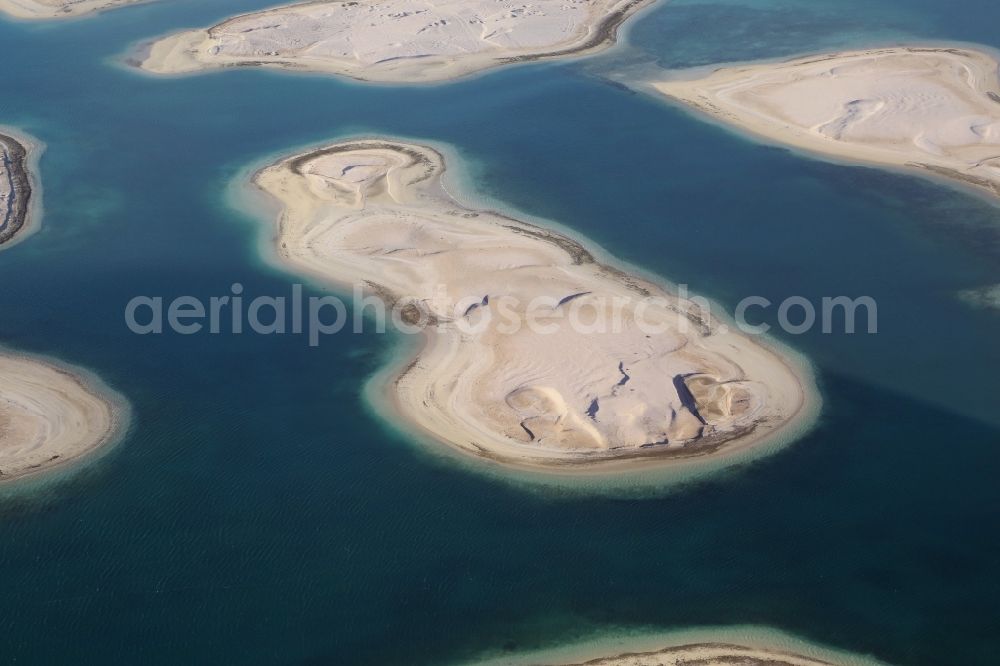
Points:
[(15, 188)]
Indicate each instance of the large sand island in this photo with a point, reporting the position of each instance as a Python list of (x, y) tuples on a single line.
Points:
[(15, 187), (51, 416), (57, 9), (932, 109), (375, 212), (399, 41)]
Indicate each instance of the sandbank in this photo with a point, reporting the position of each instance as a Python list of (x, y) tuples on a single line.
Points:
[(59, 9), (52, 415), (395, 41), (932, 109), (563, 394)]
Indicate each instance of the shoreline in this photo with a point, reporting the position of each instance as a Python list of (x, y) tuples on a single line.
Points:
[(61, 415), (20, 214), (753, 645), (196, 50), (633, 478), (749, 98), (386, 390)]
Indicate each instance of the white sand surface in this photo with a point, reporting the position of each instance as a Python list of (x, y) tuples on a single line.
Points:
[(400, 41), (57, 9), (933, 109), (374, 212), (51, 416)]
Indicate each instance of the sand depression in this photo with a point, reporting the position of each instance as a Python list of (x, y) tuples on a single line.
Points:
[(374, 212), (400, 41), (932, 109)]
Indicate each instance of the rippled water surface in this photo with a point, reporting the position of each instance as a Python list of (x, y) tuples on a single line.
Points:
[(257, 512)]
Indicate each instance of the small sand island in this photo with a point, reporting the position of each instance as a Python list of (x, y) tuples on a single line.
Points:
[(374, 212), (15, 187), (50, 416), (57, 9), (932, 109), (397, 41), (729, 646), (709, 654)]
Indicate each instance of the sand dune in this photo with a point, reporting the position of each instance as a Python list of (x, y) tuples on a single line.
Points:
[(401, 41), (374, 212), (50, 416), (56, 9), (934, 109)]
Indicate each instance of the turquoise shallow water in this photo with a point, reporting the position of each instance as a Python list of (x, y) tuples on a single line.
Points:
[(257, 514)]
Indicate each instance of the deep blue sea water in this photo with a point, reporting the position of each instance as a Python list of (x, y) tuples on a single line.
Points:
[(257, 512)]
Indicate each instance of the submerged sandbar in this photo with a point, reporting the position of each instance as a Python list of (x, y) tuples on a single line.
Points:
[(932, 109), (398, 41), (51, 415), (374, 213), (57, 9)]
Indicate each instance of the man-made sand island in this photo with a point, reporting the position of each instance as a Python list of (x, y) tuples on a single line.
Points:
[(50, 416), (398, 41), (708, 654), (553, 394), (723, 646), (933, 109), (15, 187), (56, 9)]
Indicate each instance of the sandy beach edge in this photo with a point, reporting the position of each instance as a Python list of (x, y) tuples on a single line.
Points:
[(12, 12), (842, 157), (119, 425), (34, 149), (622, 643), (640, 475), (609, 34)]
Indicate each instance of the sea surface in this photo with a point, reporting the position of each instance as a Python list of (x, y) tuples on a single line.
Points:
[(258, 512)]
